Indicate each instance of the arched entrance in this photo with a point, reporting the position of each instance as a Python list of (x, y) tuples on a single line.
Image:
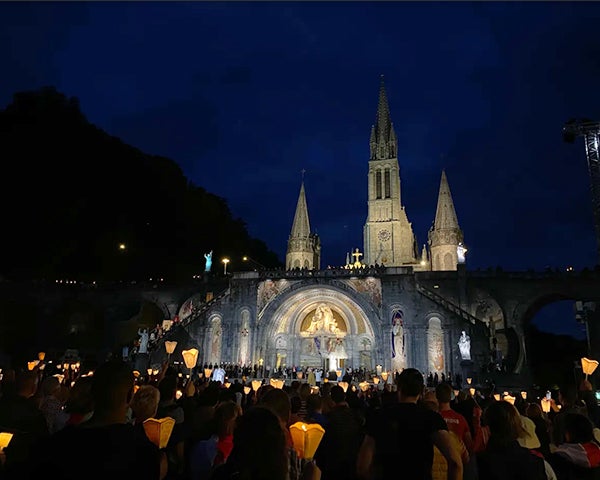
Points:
[(318, 327)]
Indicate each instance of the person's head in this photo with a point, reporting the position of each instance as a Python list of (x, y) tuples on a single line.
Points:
[(578, 428), (337, 394), (112, 387), (26, 383), (145, 403), (279, 402), (80, 397), (410, 383), (314, 404), (167, 388), (534, 410), (567, 396), (259, 426), (50, 386), (225, 417), (295, 405), (429, 399), (504, 422), (304, 391), (443, 393)]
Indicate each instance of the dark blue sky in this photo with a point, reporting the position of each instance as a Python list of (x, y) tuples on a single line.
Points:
[(245, 95)]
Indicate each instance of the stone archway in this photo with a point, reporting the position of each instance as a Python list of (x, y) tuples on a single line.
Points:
[(318, 326)]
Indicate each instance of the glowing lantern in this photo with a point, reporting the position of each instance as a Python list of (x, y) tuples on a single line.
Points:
[(178, 394), (227, 384), (41, 356), (378, 369), (524, 395), (509, 398), (60, 377), (247, 390), (279, 384), (364, 386), (469, 380), (155, 372), (299, 375), (190, 357), (344, 386), (149, 372), (207, 373), (5, 438), (256, 385), (384, 375), (588, 366), (32, 365), (375, 380), (338, 373), (66, 366), (273, 382), (135, 389), (306, 438), (325, 380), (456, 392), (472, 391), (136, 374), (546, 404), (497, 397), (170, 348), (159, 431)]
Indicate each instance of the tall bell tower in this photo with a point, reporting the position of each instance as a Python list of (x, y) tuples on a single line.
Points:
[(388, 235)]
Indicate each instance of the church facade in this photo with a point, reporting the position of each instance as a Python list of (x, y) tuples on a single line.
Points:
[(370, 313)]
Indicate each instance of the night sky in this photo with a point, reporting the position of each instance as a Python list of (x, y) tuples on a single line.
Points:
[(243, 96)]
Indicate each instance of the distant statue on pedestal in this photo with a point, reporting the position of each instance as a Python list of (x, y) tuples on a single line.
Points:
[(208, 257), (464, 344), (144, 337)]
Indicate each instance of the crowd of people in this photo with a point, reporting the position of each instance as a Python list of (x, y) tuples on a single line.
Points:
[(92, 426)]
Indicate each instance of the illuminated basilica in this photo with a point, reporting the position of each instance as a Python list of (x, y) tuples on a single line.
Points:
[(374, 312)]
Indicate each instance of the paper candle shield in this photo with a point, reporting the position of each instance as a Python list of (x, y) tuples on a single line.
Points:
[(41, 356), (344, 386), (588, 365), (207, 372), (170, 347), (190, 357), (5, 439), (509, 398), (256, 384), (247, 390), (546, 404), (159, 431), (306, 438), (384, 375)]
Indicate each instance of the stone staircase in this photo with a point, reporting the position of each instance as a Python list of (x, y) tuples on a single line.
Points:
[(446, 304)]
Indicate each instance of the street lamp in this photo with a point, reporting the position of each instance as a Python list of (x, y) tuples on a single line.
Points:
[(225, 262)]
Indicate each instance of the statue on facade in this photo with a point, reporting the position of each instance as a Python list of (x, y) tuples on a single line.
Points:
[(464, 344), (144, 338), (208, 257), (323, 321)]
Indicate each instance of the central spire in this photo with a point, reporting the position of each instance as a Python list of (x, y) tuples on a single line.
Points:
[(383, 138)]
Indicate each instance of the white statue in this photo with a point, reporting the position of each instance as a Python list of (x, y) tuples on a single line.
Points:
[(144, 337), (208, 257), (464, 343)]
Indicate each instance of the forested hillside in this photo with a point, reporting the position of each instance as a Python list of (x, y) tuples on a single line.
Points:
[(71, 193)]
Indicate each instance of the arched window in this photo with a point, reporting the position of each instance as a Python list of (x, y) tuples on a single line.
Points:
[(378, 184), (388, 190)]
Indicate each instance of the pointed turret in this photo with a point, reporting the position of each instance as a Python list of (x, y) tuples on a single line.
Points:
[(383, 138), (301, 225), (445, 235), (445, 216), (304, 247)]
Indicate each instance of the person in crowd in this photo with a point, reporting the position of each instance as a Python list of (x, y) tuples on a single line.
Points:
[(106, 446), (80, 403), (542, 427), (344, 431), (455, 421), (504, 458), (168, 407), (259, 426), (52, 405), (314, 407), (578, 457), (567, 397), (207, 454), (19, 415), (144, 404), (400, 437)]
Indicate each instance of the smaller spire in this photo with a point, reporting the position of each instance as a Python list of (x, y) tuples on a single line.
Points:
[(445, 216)]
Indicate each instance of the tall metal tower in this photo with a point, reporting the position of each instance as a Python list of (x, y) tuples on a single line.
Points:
[(590, 131)]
